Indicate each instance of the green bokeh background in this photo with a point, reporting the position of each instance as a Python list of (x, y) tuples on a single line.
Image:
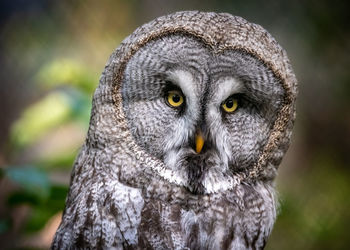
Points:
[(53, 52)]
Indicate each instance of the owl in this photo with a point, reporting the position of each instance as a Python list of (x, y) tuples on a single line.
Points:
[(190, 121)]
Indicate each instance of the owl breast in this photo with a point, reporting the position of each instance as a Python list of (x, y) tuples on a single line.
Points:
[(172, 218)]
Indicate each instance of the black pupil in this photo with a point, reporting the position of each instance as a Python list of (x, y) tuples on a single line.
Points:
[(229, 103), (176, 98)]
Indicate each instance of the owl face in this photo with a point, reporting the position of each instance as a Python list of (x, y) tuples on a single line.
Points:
[(205, 114)]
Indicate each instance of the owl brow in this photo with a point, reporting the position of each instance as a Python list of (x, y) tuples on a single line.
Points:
[(184, 80), (229, 87)]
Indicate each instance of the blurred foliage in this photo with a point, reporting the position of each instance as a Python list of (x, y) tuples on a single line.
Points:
[(67, 72), (44, 209), (60, 105), (40, 117), (31, 180), (68, 87), (58, 49), (314, 209), (56, 108), (36, 190)]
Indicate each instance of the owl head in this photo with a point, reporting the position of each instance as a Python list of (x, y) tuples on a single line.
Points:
[(204, 105)]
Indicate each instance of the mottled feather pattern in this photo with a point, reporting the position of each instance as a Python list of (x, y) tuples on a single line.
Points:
[(138, 182)]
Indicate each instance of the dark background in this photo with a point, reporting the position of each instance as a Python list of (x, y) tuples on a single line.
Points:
[(53, 52)]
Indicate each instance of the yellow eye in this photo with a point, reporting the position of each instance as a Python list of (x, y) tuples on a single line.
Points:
[(230, 105), (175, 98)]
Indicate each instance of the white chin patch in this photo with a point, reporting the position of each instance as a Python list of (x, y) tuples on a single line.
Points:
[(176, 173)]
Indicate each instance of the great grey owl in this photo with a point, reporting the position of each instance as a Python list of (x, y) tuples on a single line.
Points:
[(192, 116)]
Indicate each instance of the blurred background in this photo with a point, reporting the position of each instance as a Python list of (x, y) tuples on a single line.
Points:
[(53, 52)]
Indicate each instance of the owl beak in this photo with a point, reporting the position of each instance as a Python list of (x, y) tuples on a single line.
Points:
[(199, 142)]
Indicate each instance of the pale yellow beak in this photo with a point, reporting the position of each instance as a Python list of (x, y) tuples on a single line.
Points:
[(199, 142)]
